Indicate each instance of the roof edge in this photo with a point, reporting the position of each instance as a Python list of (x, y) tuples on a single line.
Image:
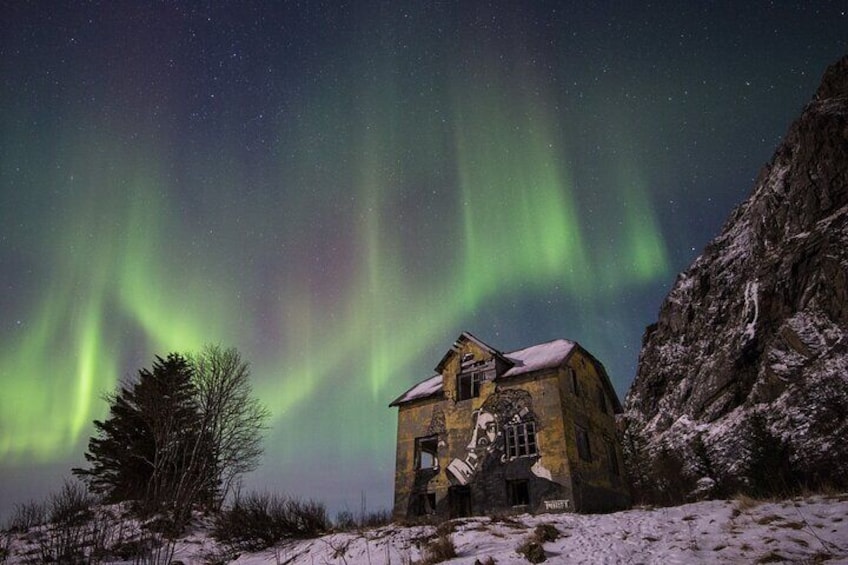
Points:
[(402, 399)]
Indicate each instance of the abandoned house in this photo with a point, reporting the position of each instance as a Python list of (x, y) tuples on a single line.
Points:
[(532, 431)]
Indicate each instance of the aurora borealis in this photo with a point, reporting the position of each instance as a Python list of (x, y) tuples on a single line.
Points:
[(338, 190)]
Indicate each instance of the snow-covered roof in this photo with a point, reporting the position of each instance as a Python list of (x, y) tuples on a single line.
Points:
[(537, 357), (534, 358), (431, 386)]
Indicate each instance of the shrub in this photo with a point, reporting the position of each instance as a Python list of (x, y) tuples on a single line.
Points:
[(127, 550), (307, 519), (745, 502), (545, 533), (532, 551), (376, 519), (5, 545), (447, 528), (440, 548), (258, 521), (27, 516), (71, 505), (346, 521), (66, 538)]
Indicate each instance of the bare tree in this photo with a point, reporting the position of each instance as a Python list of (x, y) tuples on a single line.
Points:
[(233, 419)]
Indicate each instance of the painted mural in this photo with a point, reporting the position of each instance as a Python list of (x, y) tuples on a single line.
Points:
[(499, 462), (488, 437)]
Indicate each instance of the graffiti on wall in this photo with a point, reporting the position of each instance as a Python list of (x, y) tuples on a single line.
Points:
[(488, 436), (496, 464)]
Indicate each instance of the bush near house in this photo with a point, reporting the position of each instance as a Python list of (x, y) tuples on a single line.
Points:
[(257, 521)]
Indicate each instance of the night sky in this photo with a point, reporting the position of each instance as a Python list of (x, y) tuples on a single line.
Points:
[(339, 189)]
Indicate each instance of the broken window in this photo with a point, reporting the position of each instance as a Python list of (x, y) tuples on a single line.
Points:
[(468, 385), (521, 440), (426, 452), (583, 448), (518, 492), (425, 503)]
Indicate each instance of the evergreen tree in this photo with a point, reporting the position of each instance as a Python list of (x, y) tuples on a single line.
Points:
[(152, 448)]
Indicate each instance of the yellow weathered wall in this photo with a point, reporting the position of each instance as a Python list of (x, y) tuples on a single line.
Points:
[(584, 409), (413, 420)]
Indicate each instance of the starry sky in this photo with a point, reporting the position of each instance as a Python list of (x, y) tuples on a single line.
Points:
[(339, 189)]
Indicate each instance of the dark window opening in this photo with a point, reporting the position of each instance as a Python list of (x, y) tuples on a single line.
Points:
[(575, 386), (518, 492), (521, 440), (583, 448), (602, 400), (459, 501), (612, 459), (425, 503), (426, 452), (468, 385)]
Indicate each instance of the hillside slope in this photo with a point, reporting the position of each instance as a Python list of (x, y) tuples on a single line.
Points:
[(743, 380), (813, 529), (707, 532)]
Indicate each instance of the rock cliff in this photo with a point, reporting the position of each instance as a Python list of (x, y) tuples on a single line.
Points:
[(742, 382)]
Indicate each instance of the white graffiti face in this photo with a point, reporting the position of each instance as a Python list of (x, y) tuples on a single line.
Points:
[(482, 442), (485, 431), (487, 435)]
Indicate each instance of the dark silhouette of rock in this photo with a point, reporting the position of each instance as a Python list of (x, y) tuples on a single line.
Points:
[(742, 382)]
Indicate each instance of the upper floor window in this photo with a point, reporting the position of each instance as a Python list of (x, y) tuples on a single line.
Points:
[(583, 447), (521, 440), (426, 452), (572, 381), (468, 385), (602, 400)]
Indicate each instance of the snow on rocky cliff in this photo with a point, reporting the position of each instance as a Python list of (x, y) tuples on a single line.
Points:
[(747, 365)]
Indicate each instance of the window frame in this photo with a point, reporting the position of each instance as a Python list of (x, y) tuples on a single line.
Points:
[(520, 440), (518, 492), (474, 380), (420, 450)]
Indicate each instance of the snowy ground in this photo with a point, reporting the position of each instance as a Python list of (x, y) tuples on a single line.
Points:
[(811, 530), (705, 532)]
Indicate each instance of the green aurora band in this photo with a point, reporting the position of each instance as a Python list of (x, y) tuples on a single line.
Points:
[(338, 288)]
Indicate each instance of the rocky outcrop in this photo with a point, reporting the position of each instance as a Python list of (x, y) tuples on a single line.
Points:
[(743, 380)]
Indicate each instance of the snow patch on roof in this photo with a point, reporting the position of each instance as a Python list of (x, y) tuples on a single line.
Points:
[(431, 386), (537, 357)]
